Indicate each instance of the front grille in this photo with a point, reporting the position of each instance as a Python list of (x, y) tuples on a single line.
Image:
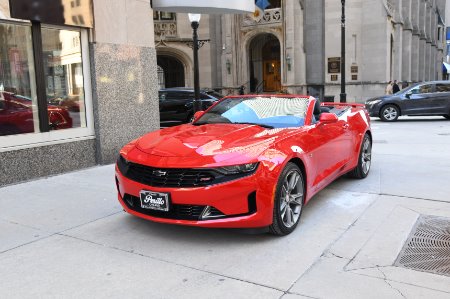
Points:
[(177, 212), (186, 212), (174, 177)]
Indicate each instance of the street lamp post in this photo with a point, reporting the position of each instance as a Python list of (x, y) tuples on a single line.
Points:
[(343, 94), (195, 22)]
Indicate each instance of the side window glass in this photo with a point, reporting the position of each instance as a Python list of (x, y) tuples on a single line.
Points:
[(2, 104), (442, 87), (180, 96), (415, 90), (426, 89), (204, 97)]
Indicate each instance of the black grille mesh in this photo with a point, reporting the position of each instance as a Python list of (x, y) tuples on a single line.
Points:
[(177, 212), (174, 177)]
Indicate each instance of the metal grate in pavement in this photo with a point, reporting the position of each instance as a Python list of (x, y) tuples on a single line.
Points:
[(428, 247)]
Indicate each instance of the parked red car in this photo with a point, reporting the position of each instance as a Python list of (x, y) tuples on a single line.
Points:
[(16, 115), (247, 162)]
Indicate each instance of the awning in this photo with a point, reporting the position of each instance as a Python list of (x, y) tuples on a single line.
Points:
[(446, 67), (205, 6)]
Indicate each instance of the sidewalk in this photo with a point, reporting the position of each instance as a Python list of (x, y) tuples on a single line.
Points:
[(67, 236)]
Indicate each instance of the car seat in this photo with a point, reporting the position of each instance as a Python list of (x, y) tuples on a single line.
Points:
[(318, 110)]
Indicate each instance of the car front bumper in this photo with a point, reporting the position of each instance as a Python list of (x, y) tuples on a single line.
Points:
[(243, 203)]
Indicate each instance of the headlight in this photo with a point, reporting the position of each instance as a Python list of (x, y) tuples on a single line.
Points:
[(123, 165), (238, 169), (373, 103)]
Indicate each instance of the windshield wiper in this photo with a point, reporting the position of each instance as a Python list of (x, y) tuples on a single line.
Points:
[(260, 125)]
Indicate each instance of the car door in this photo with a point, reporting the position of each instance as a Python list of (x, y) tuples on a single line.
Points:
[(441, 102), (173, 106), (331, 148), (420, 100)]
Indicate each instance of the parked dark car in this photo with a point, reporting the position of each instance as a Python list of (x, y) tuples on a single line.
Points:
[(422, 99), (176, 105)]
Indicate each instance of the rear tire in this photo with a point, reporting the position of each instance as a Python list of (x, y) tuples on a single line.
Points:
[(361, 171), (289, 201), (389, 113)]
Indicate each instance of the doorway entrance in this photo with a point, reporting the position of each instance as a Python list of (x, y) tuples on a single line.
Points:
[(170, 72), (265, 64)]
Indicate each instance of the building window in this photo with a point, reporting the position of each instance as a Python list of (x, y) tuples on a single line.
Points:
[(273, 4), (54, 106), (167, 16), (161, 78), (64, 73), (18, 101), (163, 16)]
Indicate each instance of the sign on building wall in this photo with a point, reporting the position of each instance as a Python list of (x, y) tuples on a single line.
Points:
[(334, 65), (56, 12)]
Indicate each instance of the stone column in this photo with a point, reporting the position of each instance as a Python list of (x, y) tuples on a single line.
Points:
[(314, 33), (407, 41), (428, 36), (415, 40), (398, 51), (124, 75), (422, 42)]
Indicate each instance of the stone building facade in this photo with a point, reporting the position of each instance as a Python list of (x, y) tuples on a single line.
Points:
[(295, 47), (74, 87)]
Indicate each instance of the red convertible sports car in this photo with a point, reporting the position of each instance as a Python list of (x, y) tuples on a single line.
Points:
[(247, 162)]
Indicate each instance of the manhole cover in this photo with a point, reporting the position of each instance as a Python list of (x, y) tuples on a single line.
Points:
[(428, 246)]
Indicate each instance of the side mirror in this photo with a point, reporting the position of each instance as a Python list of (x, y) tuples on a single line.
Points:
[(328, 118), (197, 115), (408, 94)]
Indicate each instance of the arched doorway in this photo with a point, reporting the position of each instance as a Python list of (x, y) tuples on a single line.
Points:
[(265, 64), (173, 72)]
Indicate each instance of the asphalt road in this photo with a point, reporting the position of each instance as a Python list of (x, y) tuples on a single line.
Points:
[(67, 236)]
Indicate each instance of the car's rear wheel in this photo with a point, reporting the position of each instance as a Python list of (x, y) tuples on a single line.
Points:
[(389, 113), (289, 200), (362, 170)]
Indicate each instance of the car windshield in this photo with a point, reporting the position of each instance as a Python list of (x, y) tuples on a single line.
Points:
[(268, 112)]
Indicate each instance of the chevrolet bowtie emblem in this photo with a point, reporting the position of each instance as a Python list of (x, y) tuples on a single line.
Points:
[(159, 173)]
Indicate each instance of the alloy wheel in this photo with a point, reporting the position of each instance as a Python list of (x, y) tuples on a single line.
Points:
[(291, 201), (390, 113), (366, 156)]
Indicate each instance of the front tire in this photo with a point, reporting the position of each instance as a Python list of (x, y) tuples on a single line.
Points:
[(289, 201), (447, 116), (389, 113), (361, 171)]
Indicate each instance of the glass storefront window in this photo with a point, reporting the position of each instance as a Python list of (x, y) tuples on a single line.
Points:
[(64, 78), (18, 102)]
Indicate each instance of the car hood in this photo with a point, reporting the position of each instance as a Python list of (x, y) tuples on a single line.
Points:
[(222, 141)]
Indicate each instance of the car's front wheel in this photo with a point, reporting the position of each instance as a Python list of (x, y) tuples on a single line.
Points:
[(289, 200), (389, 113), (447, 116)]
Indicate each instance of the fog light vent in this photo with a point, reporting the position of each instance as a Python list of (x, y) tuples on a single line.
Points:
[(211, 213), (428, 246)]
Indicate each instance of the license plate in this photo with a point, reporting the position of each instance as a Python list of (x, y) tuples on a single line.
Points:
[(155, 201)]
